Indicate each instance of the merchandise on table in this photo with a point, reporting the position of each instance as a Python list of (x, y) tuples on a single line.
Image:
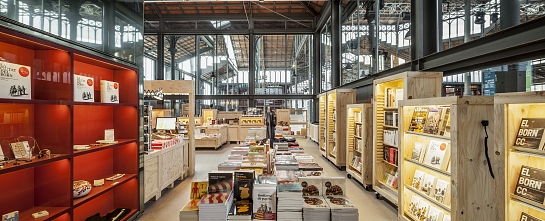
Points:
[(341, 208), (316, 208)]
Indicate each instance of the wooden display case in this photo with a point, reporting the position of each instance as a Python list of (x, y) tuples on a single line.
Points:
[(512, 153), (209, 114), (57, 122), (359, 143), (443, 159), (162, 168), (322, 124), (299, 123), (251, 121), (407, 85), (313, 132), (336, 128)]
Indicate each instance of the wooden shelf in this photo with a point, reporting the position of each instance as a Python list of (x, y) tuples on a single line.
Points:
[(120, 142), (54, 212), (526, 202), (446, 173), (97, 191), (358, 123), (391, 127), (389, 145), (9, 167), (353, 168), (428, 135), (357, 151), (390, 108), (391, 164), (387, 186), (358, 137), (529, 152), (105, 104), (428, 198)]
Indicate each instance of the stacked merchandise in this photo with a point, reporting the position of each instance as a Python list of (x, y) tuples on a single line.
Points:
[(341, 209), (304, 158), (229, 166), (256, 150), (235, 158), (310, 166), (315, 208), (286, 162), (242, 208), (190, 211), (240, 150), (281, 146), (264, 198), (290, 203), (217, 203)]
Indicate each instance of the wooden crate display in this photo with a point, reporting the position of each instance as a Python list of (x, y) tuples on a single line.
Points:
[(322, 122), (388, 92), (443, 168), (519, 155), (336, 127), (359, 142)]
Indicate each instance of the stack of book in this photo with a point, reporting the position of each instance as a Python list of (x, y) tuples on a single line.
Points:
[(229, 166), (190, 212), (287, 165), (304, 158), (240, 211), (309, 166), (281, 146), (264, 202), (341, 209), (315, 208), (240, 151), (191, 209), (290, 203), (215, 206)]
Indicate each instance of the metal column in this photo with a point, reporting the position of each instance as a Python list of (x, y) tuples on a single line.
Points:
[(336, 24), (172, 49), (424, 28), (467, 38), (160, 74), (251, 67), (510, 13)]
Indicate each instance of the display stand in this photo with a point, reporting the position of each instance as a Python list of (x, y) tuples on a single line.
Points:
[(209, 114), (162, 168), (321, 128), (52, 119), (449, 174), (313, 132), (359, 143), (407, 85), (512, 153), (298, 123), (336, 128)]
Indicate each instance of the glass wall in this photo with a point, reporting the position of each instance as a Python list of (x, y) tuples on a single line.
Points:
[(283, 64), (83, 22), (325, 57)]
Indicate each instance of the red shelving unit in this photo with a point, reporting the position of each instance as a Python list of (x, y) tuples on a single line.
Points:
[(57, 123)]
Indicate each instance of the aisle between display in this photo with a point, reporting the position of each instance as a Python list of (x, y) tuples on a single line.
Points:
[(520, 155), (443, 159)]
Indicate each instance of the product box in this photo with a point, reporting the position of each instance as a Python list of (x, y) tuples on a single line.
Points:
[(15, 81), (333, 186), (84, 89), (312, 186), (109, 135), (109, 91)]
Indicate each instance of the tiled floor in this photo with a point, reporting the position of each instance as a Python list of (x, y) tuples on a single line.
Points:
[(172, 200)]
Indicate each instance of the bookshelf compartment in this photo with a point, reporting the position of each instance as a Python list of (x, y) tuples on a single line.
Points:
[(43, 186), (453, 164), (335, 127), (122, 195), (359, 142), (91, 121), (513, 153)]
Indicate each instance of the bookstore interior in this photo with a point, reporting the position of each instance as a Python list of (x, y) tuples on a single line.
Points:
[(272, 110)]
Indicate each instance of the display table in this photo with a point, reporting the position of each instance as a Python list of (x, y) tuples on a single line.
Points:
[(163, 167), (209, 142), (218, 129)]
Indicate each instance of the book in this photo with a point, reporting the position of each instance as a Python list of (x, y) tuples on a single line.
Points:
[(109, 91), (83, 88), (18, 78), (413, 205), (264, 203), (434, 214), (418, 179), (419, 150), (334, 186), (220, 182), (423, 209), (438, 154), (446, 217), (444, 123), (13, 216), (440, 191), (432, 120), (529, 184), (198, 190), (530, 133), (241, 208), (312, 186), (428, 184), (2, 156), (244, 182), (525, 217), (418, 119)]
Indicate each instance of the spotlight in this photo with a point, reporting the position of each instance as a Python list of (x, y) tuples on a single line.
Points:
[(479, 18)]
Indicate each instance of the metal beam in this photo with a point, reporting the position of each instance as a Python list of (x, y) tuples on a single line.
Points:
[(252, 97), (230, 17), (307, 7), (336, 43), (324, 16), (229, 32)]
